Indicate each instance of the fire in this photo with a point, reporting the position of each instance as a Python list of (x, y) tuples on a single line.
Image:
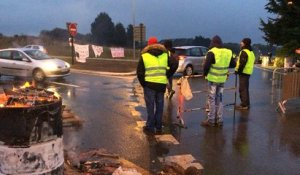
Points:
[(3, 100), (27, 95), (26, 85)]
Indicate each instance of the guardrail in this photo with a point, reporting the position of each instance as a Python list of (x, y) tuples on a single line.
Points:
[(286, 86), (181, 110)]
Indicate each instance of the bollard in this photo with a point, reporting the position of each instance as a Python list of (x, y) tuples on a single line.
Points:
[(31, 139)]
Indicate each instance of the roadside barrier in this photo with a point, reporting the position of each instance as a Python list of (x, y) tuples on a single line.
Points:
[(180, 98), (286, 86)]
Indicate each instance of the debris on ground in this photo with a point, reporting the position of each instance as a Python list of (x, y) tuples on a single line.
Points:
[(126, 171), (100, 162), (182, 165), (70, 119), (168, 139)]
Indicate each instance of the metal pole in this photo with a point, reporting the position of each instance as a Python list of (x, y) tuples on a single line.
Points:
[(235, 85), (133, 23), (72, 47)]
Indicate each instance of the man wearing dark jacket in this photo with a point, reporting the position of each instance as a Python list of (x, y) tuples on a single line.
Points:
[(169, 46), (217, 62), (244, 69), (153, 70)]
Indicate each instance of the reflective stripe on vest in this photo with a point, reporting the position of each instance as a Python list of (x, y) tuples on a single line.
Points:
[(155, 68), (218, 71), (248, 69)]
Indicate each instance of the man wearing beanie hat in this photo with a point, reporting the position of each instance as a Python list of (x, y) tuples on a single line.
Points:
[(152, 40), (244, 68), (217, 62), (153, 70)]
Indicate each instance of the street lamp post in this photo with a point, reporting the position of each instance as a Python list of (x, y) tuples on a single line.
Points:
[(133, 23)]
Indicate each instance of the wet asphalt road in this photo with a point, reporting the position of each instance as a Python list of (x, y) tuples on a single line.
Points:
[(259, 141)]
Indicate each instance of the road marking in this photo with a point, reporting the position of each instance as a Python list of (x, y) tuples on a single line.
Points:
[(64, 84)]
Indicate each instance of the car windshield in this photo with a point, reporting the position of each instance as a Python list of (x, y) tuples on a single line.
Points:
[(37, 54), (181, 51)]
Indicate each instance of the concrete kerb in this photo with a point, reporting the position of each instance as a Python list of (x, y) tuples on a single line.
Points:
[(103, 73)]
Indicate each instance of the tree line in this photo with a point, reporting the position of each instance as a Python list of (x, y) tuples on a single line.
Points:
[(105, 33)]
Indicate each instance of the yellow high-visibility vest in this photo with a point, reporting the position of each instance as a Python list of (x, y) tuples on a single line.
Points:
[(155, 68), (248, 69), (218, 71)]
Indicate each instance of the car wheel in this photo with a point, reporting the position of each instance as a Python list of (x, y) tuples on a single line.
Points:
[(38, 75), (188, 71)]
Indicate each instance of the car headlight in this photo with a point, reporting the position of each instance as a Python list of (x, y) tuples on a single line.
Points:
[(51, 67)]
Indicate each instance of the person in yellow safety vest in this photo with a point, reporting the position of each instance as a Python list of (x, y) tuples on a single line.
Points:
[(215, 69), (244, 68), (153, 70)]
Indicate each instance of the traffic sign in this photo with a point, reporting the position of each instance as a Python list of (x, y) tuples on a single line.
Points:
[(72, 27)]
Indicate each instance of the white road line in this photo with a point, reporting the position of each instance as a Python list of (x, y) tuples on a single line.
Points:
[(64, 84)]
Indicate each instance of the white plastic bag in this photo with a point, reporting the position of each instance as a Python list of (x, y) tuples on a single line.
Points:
[(185, 89)]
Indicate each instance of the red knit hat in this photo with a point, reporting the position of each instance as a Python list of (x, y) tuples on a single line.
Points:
[(152, 40)]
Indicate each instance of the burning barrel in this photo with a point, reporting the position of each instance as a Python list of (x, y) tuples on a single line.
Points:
[(31, 132)]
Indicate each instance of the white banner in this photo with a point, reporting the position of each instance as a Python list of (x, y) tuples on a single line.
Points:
[(82, 52), (117, 52), (97, 50)]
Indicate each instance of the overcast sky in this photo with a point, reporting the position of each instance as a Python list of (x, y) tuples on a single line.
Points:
[(232, 20)]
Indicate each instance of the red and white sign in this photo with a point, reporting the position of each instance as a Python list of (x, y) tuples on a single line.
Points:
[(117, 52), (72, 27)]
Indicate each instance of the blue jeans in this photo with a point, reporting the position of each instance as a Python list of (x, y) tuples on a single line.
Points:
[(155, 106), (215, 94)]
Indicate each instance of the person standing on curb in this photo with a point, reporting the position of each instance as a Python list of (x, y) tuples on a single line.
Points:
[(153, 70), (218, 61), (169, 46), (244, 68)]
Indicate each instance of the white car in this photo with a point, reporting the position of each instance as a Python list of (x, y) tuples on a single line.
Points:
[(33, 63), (38, 47), (191, 59)]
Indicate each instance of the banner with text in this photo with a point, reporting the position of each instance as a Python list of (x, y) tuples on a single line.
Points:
[(82, 52), (98, 50), (117, 52)]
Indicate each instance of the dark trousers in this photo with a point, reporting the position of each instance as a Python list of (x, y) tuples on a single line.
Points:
[(244, 89), (155, 105)]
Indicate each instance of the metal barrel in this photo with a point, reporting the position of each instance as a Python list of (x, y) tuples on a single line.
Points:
[(31, 140)]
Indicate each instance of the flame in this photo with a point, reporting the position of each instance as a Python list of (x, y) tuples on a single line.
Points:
[(3, 100), (26, 85)]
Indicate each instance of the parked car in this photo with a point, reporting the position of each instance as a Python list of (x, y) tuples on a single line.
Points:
[(191, 59), (38, 47), (33, 63)]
